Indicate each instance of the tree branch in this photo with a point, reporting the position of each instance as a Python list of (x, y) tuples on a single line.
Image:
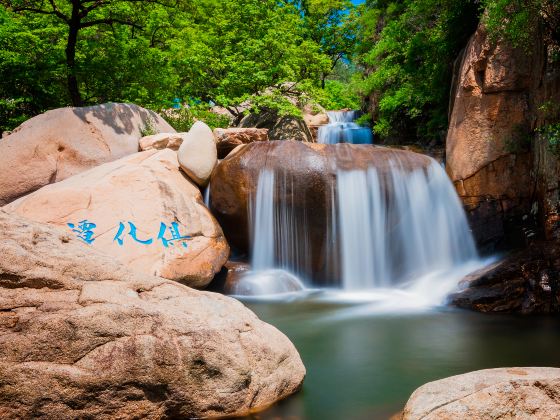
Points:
[(109, 21)]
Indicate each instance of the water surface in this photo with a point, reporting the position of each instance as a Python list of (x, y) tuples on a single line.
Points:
[(362, 364)]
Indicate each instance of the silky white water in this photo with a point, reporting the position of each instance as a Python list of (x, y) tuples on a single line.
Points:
[(399, 226), (342, 129), (393, 236)]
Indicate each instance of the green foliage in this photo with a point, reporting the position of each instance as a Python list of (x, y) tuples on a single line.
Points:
[(519, 21), (31, 67), (231, 54), (409, 48), (551, 133), (149, 128), (183, 118), (337, 95), (228, 52)]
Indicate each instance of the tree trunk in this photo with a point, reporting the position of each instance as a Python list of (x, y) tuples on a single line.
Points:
[(73, 89)]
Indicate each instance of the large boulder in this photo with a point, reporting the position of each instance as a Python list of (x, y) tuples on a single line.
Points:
[(81, 336), (503, 393), (280, 127), (308, 173), (228, 139), (198, 154), (148, 190), (525, 282), (487, 142), (64, 142)]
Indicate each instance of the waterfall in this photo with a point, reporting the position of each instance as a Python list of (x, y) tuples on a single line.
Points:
[(388, 228), (397, 226), (342, 129)]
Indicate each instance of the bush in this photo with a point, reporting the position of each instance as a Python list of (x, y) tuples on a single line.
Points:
[(182, 119)]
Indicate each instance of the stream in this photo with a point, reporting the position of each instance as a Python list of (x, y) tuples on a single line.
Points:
[(364, 365)]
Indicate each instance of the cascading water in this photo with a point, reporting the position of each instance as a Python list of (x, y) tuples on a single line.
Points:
[(398, 226), (391, 229), (342, 129)]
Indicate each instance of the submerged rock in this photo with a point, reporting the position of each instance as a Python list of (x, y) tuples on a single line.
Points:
[(525, 282), (513, 393), (146, 189), (64, 142), (228, 139), (81, 336), (198, 154)]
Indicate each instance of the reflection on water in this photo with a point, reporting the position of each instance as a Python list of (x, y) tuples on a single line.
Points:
[(365, 366)]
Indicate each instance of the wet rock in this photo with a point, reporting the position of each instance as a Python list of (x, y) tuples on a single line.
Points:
[(526, 282), (148, 190), (198, 154), (64, 142), (514, 393), (308, 172), (228, 139), (81, 336)]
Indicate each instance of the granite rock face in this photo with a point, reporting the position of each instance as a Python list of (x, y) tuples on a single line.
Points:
[(487, 149), (64, 142), (503, 393), (81, 336), (148, 190)]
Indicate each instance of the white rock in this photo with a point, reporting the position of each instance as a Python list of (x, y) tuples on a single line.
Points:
[(198, 154)]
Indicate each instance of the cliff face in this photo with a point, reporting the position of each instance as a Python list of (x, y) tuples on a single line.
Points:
[(505, 179)]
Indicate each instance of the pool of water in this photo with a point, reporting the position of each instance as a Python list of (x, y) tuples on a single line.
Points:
[(364, 364)]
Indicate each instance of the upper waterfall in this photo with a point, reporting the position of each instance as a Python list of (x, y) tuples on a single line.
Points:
[(342, 129)]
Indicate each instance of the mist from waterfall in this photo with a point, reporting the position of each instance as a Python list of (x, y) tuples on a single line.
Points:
[(342, 129)]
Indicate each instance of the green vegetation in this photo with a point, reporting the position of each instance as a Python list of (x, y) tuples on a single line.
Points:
[(551, 134), (392, 58), (410, 47), (227, 53)]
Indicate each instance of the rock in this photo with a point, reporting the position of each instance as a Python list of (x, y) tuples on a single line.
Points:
[(64, 142), (315, 119), (309, 171), (81, 336), (524, 282), (512, 393), (290, 128), (488, 155), (198, 154), (280, 128), (161, 141), (147, 189), (228, 139)]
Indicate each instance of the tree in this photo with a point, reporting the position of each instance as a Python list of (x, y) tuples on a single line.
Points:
[(235, 51), (331, 25), (408, 48), (78, 15)]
